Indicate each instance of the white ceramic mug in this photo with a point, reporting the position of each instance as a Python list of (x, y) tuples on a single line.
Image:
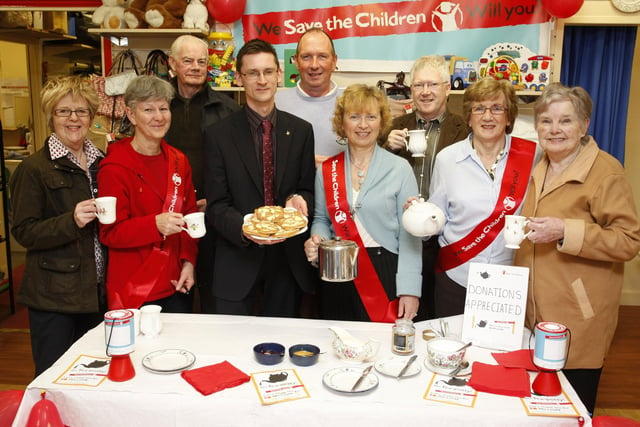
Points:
[(150, 323), (514, 232), (417, 142), (195, 224), (105, 209)]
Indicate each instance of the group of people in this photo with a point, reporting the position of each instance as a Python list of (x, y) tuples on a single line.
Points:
[(338, 157)]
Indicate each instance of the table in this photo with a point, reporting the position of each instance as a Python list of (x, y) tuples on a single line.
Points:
[(168, 400)]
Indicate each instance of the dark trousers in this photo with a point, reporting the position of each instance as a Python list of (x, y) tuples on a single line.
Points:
[(449, 296), (53, 333), (585, 383), (176, 303), (275, 293), (341, 301), (427, 309), (204, 271)]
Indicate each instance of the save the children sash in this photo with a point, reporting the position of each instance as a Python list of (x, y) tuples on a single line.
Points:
[(512, 191), (370, 289)]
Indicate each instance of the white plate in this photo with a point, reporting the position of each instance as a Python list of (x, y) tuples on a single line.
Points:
[(168, 361), (394, 365), (464, 372), (343, 379), (248, 217)]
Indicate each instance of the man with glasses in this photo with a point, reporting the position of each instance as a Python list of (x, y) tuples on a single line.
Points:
[(430, 88), (196, 106), (259, 156), (315, 94)]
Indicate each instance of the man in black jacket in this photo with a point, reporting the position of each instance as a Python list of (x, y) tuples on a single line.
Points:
[(196, 106)]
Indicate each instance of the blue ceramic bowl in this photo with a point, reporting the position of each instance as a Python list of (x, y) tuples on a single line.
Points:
[(268, 353), (304, 354)]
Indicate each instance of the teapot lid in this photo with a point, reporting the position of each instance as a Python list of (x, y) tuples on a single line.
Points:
[(338, 242)]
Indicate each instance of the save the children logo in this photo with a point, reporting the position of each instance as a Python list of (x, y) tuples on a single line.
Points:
[(447, 16)]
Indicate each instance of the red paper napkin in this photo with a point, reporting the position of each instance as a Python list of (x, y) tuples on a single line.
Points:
[(516, 359), (500, 380), (212, 378)]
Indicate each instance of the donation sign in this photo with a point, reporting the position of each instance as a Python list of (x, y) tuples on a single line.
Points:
[(495, 306)]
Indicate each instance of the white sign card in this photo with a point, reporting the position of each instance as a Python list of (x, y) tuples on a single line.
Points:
[(278, 386), (495, 306), (551, 406), (86, 370), (452, 391)]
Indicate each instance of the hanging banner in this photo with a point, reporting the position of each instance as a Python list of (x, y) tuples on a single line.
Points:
[(383, 35)]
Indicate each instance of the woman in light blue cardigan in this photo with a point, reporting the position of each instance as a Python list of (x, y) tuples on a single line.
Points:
[(376, 183)]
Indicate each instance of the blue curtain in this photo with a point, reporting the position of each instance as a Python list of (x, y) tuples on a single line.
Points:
[(600, 59)]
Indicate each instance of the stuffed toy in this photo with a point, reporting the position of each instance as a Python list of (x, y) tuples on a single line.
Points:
[(196, 15), (111, 14), (165, 13), (134, 14)]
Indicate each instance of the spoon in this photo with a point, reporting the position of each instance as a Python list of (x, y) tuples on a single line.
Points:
[(464, 346), (463, 365)]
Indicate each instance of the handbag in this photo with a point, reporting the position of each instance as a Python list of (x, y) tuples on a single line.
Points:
[(157, 64), (111, 104), (124, 69)]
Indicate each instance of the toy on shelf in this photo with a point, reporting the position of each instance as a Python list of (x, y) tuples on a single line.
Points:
[(222, 63), (462, 71), (516, 63)]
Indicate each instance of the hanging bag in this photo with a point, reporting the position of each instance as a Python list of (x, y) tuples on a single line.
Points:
[(157, 64)]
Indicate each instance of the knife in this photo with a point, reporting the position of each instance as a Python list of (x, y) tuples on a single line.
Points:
[(364, 374), (406, 366)]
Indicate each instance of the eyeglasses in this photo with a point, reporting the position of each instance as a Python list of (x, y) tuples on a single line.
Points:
[(495, 110), (65, 112), (432, 86), (254, 75)]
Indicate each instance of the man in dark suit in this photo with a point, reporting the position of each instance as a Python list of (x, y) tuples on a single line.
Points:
[(257, 276), (430, 87)]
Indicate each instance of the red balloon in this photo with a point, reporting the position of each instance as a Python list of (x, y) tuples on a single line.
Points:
[(44, 414), (9, 403), (226, 11), (562, 8)]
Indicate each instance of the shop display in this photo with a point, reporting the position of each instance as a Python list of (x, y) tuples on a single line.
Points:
[(222, 63)]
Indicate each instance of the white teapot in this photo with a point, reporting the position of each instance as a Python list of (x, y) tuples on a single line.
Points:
[(423, 219), (350, 348)]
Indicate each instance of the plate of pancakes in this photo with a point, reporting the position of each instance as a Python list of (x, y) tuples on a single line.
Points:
[(274, 223)]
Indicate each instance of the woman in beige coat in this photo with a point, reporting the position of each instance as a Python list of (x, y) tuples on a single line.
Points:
[(584, 227)]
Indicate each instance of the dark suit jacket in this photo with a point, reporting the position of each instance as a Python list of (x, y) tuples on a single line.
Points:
[(452, 129), (234, 188)]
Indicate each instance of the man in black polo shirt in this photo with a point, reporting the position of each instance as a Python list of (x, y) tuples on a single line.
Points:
[(195, 107)]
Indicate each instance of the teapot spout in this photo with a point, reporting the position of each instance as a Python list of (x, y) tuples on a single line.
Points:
[(344, 336)]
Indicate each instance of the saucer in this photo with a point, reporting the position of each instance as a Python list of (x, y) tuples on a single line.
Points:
[(170, 361), (463, 372), (392, 367), (343, 379)]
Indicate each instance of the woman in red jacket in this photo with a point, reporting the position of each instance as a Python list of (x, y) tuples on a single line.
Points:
[(151, 261)]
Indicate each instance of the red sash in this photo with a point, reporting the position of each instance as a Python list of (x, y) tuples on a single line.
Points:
[(512, 191), (370, 289), (139, 287)]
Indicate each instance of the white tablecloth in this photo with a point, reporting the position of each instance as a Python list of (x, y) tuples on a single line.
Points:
[(168, 400)]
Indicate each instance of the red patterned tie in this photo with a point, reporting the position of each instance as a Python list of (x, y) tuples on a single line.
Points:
[(267, 162)]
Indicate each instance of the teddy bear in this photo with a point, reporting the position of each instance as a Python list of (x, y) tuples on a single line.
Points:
[(111, 14), (155, 13), (196, 15)]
